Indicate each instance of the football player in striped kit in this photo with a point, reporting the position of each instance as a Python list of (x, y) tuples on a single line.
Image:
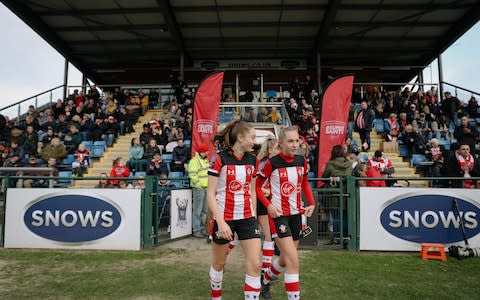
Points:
[(232, 201), (287, 173)]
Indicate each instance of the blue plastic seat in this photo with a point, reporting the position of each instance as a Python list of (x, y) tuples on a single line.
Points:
[(379, 125), (417, 159), (65, 179), (404, 151), (167, 157), (88, 145)]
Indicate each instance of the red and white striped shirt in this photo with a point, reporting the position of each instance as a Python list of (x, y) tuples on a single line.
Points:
[(288, 176), (233, 189)]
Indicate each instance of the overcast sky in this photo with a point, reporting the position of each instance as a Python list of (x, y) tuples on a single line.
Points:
[(28, 65)]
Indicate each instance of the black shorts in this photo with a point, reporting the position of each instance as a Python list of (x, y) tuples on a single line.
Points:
[(261, 210), (246, 229), (289, 226)]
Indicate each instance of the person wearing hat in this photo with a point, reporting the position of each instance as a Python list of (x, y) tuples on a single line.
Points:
[(198, 174), (382, 165)]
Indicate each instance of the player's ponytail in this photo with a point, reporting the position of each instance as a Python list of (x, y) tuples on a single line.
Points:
[(228, 136)]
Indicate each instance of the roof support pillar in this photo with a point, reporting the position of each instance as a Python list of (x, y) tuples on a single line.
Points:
[(182, 66), (84, 83), (319, 75), (65, 80), (440, 77)]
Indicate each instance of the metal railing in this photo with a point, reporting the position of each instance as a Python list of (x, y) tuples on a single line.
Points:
[(459, 92), (240, 110)]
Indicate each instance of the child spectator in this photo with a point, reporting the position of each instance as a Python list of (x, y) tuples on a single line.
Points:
[(81, 163), (156, 166), (119, 170)]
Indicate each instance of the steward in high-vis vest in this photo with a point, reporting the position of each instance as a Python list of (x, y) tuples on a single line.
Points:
[(198, 174)]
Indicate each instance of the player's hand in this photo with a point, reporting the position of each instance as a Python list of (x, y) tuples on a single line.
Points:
[(224, 231), (273, 211), (309, 211)]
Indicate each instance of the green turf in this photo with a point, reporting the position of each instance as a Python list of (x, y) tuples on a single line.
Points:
[(158, 274)]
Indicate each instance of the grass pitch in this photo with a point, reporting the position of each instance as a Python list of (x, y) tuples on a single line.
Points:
[(172, 273)]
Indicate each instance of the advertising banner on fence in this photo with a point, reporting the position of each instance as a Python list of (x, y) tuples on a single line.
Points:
[(181, 213), (205, 111), (333, 122), (401, 219), (106, 219)]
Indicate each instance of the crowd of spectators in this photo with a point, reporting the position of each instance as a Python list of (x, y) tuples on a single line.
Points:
[(422, 121)]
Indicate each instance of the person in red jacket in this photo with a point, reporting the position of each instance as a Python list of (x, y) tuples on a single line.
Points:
[(287, 173), (119, 169)]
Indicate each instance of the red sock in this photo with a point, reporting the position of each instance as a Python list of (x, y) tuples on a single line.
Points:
[(292, 286), (216, 278), (251, 288), (273, 272), (268, 251)]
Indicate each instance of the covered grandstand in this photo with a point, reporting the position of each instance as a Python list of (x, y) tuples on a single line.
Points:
[(134, 50)]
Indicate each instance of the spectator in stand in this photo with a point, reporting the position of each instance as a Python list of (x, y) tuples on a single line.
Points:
[(473, 108), (383, 165), (351, 146), (274, 116), (123, 184), (153, 97), (93, 93), (364, 125), (97, 130), (111, 131), (180, 156), (411, 113), (372, 172), (338, 165), (139, 183), (86, 126), (157, 166), (145, 136), (462, 164), (262, 115), (91, 107), (82, 161), (79, 99), (151, 149), (435, 155), (119, 170), (392, 128), (450, 107), (174, 135), (16, 149), (466, 134), (30, 140), (403, 122), (249, 115), (48, 136), (49, 123), (4, 152), (423, 126), (61, 127), (58, 108), (135, 153), (125, 121), (32, 181), (103, 182), (72, 139), (440, 128), (54, 150)]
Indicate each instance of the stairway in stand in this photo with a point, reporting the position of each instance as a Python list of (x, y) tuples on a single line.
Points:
[(119, 148), (402, 168)]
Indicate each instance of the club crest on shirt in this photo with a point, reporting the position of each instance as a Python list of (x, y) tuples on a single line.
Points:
[(287, 188), (300, 172), (282, 228), (249, 171)]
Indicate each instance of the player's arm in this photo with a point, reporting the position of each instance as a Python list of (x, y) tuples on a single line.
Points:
[(223, 229), (253, 195), (307, 191)]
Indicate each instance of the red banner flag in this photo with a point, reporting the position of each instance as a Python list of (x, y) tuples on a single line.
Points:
[(333, 127), (205, 112)]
